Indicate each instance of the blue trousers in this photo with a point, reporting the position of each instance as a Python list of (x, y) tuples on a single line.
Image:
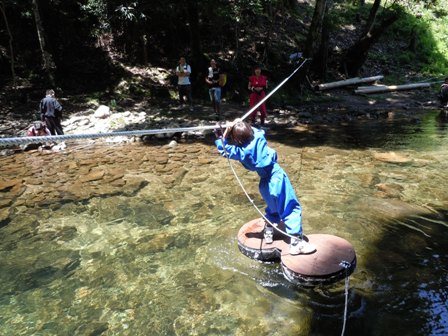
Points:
[(215, 94), (281, 200)]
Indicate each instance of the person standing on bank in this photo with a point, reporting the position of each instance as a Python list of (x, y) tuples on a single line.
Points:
[(443, 93), (257, 87), (51, 113), (215, 79), (183, 71)]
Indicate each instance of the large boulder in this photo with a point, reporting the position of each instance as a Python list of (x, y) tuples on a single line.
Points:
[(102, 112)]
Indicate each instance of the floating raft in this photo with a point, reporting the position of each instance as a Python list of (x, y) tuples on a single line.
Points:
[(333, 260)]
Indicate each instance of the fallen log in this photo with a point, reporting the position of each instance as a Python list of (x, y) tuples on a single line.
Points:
[(390, 88), (370, 86), (346, 82)]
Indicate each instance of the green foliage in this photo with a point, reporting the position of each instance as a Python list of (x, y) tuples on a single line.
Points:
[(158, 31), (406, 57), (98, 10), (130, 12), (422, 24), (342, 14)]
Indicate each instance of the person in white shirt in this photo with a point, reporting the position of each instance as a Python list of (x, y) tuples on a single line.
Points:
[(183, 71), (443, 93)]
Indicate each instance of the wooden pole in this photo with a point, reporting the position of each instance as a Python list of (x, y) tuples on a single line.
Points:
[(346, 82), (390, 88)]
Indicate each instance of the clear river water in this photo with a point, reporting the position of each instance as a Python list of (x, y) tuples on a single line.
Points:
[(140, 239)]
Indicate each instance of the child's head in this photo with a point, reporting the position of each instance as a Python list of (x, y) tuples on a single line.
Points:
[(38, 125), (241, 133)]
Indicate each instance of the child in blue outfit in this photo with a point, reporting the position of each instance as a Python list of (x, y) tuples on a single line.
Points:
[(248, 145)]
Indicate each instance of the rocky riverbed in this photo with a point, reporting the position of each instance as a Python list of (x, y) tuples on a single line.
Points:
[(82, 171)]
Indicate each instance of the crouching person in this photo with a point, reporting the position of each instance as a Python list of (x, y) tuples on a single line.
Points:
[(38, 128)]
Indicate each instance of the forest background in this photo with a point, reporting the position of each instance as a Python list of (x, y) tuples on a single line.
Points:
[(115, 49)]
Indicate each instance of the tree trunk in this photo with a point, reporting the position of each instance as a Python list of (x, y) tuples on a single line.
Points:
[(11, 49), (272, 13), (47, 58), (322, 54), (357, 54), (237, 27), (413, 41), (197, 60), (315, 30), (290, 4), (372, 16)]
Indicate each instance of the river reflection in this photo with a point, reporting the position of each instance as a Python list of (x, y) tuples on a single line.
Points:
[(141, 240)]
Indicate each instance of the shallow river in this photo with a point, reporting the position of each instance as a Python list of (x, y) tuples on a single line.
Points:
[(141, 239)]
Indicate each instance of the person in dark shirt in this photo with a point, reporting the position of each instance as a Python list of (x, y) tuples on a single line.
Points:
[(51, 113), (215, 80)]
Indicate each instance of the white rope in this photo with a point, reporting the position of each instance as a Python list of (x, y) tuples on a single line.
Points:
[(346, 265), (38, 139)]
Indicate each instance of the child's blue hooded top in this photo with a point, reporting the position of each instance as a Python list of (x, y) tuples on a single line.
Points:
[(275, 187)]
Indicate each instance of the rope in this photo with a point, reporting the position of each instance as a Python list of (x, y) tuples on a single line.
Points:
[(346, 265), (38, 139)]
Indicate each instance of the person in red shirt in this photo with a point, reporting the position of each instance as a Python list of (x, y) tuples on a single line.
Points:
[(257, 85), (38, 128)]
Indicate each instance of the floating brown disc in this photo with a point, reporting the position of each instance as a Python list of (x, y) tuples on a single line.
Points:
[(333, 260), (251, 242)]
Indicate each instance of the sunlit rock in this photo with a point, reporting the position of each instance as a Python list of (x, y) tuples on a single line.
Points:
[(391, 157), (92, 176), (102, 112), (391, 190), (6, 185)]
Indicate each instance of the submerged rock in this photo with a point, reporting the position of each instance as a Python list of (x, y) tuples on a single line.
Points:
[(391, 157)]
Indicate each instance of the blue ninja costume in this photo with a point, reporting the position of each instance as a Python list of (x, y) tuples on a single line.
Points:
[(275, 187)]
